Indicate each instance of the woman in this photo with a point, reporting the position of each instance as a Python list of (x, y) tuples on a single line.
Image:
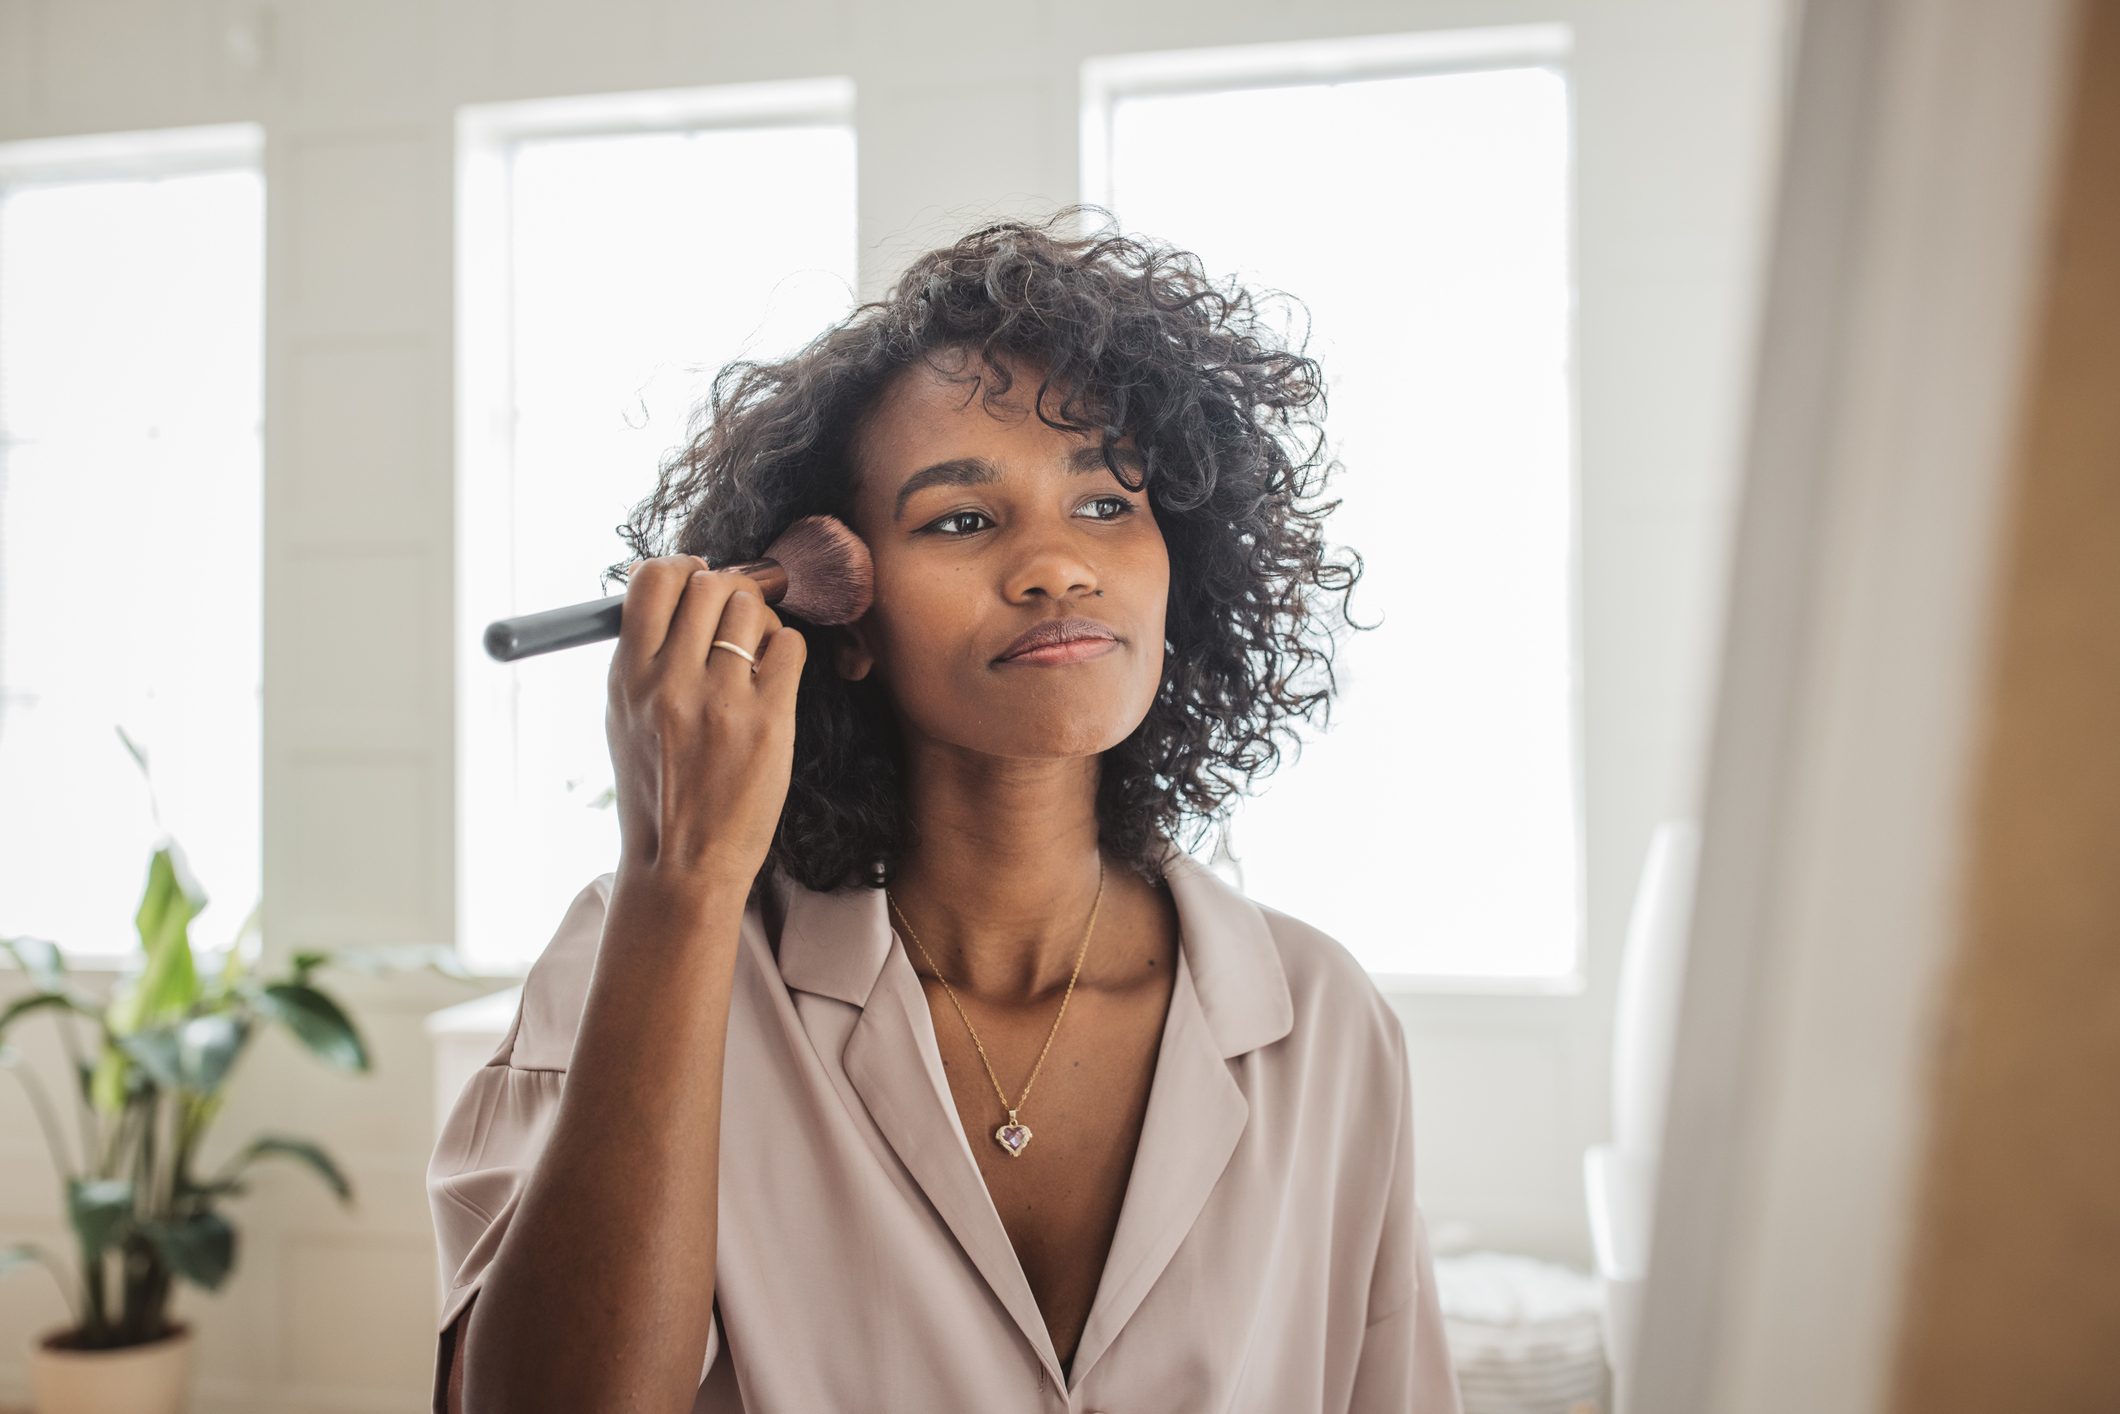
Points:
[(905, 1062)]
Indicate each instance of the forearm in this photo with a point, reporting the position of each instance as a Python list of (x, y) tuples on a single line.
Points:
[(599, 1296)]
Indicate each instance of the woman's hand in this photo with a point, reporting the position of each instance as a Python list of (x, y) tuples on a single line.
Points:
[(702, 744)]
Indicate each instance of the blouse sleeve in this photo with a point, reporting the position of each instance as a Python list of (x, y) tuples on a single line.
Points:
[(489, 1144), (1405, 1363)]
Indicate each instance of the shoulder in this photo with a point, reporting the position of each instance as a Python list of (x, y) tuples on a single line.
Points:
[(1344, 1060), (557, 986), (1339, 1011)]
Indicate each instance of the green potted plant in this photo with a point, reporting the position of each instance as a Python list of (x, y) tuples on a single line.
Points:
[(149, 1086)]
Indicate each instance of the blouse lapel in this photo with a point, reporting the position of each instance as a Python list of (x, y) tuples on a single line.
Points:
[(1230, 995), (893, 1062), (1195, 1113)]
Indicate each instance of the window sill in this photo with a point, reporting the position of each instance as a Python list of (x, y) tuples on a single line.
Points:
[(1423, 984)]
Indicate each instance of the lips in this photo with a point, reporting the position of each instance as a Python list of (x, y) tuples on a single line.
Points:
[(1052, 631)]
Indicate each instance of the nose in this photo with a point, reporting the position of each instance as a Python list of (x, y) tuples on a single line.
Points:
[(1055, 569)]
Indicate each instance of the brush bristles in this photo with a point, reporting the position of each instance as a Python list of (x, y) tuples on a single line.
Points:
[(830, 576)]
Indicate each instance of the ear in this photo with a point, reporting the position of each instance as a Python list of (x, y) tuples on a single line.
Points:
[(850, 652)]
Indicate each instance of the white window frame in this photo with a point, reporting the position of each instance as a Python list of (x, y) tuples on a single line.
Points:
[(142, 155), (487, 134)]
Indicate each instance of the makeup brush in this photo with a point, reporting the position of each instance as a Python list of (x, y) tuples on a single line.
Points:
[(817, 570)]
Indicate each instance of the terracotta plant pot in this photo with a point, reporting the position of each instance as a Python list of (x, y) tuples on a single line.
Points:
[(154, 1378)]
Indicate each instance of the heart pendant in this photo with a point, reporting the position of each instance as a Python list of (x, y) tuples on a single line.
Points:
[(1013, 1137)]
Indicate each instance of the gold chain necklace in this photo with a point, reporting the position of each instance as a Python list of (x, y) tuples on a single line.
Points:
[(1012, 1137)]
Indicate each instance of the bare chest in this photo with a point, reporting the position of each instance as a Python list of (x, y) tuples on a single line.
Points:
[(1059, 1199)]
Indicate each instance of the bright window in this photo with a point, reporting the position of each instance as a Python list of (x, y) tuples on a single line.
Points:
[(625, 269), (1417, 202), (131, 377)]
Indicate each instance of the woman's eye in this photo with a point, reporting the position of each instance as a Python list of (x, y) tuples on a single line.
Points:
[(1125, 508)]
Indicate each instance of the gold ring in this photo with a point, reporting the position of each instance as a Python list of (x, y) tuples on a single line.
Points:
[(736, 649)]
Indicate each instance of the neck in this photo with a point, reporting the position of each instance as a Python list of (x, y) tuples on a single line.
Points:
[(999, 893)]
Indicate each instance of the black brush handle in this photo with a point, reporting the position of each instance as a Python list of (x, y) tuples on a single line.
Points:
[(594, 620)]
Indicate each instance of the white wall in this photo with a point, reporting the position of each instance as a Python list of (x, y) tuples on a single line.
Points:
[(962, 114)]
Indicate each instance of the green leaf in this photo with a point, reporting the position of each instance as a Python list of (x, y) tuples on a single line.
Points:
[(235, 963), (168, 984), (41, 959), (154, 1051), (21, 1252), (113, 1081), (189, 1055), (316, 1021), (21, 1006), (200, 1246), (99, 1208), (139, 757), (227, 1177), (18, 1256), (15, 1256)]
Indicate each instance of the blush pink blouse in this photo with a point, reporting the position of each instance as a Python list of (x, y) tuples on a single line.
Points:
[(1270, 1255)]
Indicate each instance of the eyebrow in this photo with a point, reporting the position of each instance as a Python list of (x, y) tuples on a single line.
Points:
[(978, 471)]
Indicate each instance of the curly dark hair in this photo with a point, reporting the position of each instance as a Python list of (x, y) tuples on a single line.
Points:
[(1141, 342)]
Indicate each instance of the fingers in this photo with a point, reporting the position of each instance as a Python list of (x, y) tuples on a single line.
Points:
[(652, 590), (780, 665), (677, 605), (718, 604)]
